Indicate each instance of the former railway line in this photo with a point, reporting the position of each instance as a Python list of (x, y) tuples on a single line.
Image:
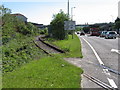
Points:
[(47, 48)]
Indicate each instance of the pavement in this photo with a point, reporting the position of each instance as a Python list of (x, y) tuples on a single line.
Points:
[(85, 82)]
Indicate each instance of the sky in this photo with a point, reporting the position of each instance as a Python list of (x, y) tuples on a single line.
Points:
[(85, 11)]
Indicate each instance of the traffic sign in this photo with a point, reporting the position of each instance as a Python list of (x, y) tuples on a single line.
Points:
[(69, 25)]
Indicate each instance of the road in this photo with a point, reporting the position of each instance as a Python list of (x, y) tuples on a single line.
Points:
[(100, 59), (106, 50)]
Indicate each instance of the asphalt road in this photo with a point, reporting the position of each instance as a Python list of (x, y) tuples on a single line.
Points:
[(97, 51), (105, 48)]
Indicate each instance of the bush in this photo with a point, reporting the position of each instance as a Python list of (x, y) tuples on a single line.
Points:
[(5, 39), (57, 26)]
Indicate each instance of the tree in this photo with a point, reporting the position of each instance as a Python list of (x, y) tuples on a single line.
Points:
[(78, 28), (86, 29), (117, 23), (57, 25), (4, 10), (118, 19)]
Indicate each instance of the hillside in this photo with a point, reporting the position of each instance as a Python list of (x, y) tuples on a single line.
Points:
[(17, 43)]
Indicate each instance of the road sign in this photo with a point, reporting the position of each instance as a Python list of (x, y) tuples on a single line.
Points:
[(69, 25)]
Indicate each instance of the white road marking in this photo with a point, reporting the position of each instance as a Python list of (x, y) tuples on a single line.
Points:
[(106, 72), (115, 50), (111, 81), (100, 61)]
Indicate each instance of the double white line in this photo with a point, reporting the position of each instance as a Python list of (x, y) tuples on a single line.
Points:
[(111, 81)]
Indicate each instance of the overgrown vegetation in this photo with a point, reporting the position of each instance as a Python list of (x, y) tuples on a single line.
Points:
[(18, 52), (17, 42)]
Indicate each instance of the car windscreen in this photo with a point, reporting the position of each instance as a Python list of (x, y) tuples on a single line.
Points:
[(111, 32), (104, 32)]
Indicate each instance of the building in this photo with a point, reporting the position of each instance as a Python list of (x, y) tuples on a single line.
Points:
[(40, 26), (119, 9), (82, 25), (20, 16)]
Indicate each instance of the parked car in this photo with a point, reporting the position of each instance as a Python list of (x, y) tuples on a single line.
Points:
[(82, 33), (103, 34), (78, 33), (111, 34)]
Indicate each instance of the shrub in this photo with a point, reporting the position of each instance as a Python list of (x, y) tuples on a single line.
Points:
[(57, 26)]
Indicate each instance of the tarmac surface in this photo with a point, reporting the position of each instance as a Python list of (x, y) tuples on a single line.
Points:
[(91, 65)]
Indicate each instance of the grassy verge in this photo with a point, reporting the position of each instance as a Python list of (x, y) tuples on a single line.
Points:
[(49, 72), (71, 46)]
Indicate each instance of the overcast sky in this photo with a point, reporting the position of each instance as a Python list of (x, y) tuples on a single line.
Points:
[(86, 11)]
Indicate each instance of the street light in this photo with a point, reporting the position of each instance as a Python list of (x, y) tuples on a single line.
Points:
[(72, 13), (112, 18), (72, 19)]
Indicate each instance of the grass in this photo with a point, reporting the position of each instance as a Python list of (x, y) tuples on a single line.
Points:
[(49, 72), (71, 46)]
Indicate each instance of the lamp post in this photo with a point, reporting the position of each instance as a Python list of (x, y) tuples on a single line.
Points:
[(112, 18), (72, 13), (72, 19)]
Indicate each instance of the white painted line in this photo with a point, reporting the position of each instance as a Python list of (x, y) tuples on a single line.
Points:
[(112, 83), (115, 50), (106, 72), (100, 61)]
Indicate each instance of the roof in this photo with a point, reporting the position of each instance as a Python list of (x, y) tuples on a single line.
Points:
[(18, 14)]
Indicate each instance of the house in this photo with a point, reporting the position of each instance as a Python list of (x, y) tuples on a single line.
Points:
[(40, 26), (20, 16)]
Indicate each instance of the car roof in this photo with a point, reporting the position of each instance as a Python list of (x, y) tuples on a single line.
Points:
[(104, 31), (111, 31)]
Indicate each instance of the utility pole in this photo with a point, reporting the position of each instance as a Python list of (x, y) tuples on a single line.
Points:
[(68, 18), (68, 8), (119, 9)]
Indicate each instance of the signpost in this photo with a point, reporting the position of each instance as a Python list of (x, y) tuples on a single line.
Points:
[(69, 25)]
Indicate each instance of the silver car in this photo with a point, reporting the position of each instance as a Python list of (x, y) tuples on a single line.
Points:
[(103, 33), (111, 34)]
